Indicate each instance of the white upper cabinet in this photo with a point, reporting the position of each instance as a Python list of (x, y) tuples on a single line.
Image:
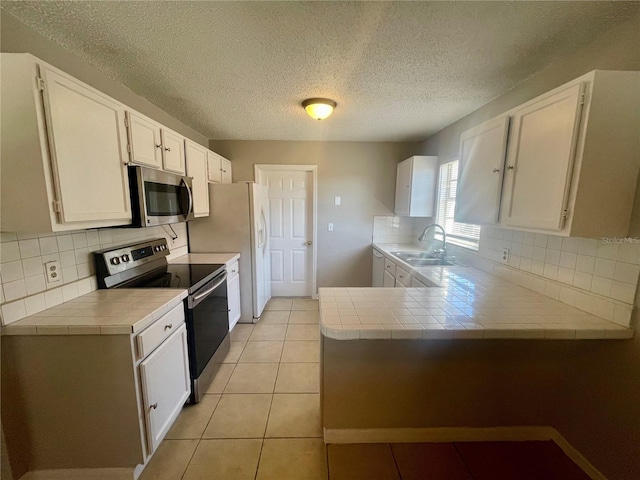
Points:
[(214, 167), (173, 152), (225, 165), (482, 153), (63, 151), (218, 167), (196, 157), (145, 142), (540, 160), (415, 186), (572, 160)]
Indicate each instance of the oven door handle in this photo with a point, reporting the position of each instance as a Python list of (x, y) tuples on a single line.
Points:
[(197, 298)]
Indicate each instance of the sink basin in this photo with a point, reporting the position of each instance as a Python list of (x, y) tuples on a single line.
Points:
[(420, 259), (407, 255), (424, 262)]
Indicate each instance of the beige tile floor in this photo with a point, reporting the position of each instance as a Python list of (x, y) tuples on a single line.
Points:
[(260, 418)]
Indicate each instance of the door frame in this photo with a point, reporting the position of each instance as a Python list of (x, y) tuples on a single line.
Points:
[(260, 169)]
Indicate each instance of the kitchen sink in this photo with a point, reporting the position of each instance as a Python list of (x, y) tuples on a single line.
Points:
[(421, 259), (424, 262)]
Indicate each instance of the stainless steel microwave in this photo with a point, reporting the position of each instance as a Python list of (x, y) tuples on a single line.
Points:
[(159, 198)]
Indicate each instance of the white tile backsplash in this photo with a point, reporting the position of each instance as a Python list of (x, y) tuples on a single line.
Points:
[(23, 287), (592, 274)]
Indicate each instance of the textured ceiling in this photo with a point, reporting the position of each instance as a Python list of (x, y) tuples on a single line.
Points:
[(399, 71)]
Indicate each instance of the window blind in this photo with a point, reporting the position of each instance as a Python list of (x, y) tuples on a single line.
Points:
[(461, 233)]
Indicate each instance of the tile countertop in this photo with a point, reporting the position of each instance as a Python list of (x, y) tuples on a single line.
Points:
[(467, 304), (101, 312), (227, 258)]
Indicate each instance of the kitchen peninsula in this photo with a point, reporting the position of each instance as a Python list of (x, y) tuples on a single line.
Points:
[(476, 357)]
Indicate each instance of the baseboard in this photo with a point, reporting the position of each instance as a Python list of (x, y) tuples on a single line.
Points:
[(577, 457), (81, 474), (439, 434), (462, 434)]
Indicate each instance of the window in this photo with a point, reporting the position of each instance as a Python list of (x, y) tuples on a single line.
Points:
[(463, 234)]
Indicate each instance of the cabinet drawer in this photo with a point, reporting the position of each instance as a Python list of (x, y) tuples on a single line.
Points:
[(233, 271), (154, 335), (390, 267), (403, 277)]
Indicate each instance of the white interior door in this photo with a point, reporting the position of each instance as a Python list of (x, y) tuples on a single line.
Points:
[(290, 231)]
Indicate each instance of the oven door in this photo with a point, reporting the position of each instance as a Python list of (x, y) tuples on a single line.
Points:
[(159, 198), (207, 328)]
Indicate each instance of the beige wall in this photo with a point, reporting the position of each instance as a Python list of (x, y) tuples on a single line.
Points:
[(15, 37), (362, 174)]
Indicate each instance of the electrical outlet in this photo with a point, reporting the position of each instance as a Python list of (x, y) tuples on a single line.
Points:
[(505, 255), (330, 227), (52, 271)]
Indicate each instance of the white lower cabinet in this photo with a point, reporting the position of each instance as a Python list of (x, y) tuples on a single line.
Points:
[(388, 280), (164, 376), (403, 278), (377, 275), (233, 294), (115, 396)]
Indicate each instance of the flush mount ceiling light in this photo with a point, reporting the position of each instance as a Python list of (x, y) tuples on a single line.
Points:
[(319, 108)]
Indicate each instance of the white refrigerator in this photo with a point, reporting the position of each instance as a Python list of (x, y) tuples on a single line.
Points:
[(238, 222)]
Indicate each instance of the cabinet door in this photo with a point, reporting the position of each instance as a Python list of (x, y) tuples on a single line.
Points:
[(87, 138), (165, 385), (225, 166), (377, 275), (214, 167), (403, 278), (233, 295), (403, 187), (388, 280), (145, 143), (173, 152), (482, 153), (540, 161), (196, 157), (415, 283)]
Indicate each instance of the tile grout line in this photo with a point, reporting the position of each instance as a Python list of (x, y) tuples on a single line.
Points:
[(455, 447), (395, 461)]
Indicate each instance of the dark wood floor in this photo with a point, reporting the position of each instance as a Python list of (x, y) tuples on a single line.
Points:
[(452, 461)]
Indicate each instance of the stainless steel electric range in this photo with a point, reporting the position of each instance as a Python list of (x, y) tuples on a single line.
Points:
[(144, 265)]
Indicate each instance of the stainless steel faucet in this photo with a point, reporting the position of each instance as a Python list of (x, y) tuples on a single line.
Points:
[(443, 252)]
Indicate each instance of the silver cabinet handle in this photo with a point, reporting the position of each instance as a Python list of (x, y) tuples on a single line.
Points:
[(159, 146), (168, 327), (154, 405), (510, 167), (309, 243), (496, 170), (167, 149)]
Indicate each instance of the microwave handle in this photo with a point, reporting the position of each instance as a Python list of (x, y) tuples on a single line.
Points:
[(190, 210)]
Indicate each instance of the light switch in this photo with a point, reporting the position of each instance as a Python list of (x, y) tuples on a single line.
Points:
[(337, 201), (330, 227)]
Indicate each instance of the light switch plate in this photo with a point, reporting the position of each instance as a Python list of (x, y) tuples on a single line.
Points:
[(330, 227), (505, 255), (337, 200)]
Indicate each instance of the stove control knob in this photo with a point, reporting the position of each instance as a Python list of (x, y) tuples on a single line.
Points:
[(125, 258), (115, 261), (156, 248), (163, 247)]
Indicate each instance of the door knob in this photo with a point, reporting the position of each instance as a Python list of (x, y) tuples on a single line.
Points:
[(309, 243)]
